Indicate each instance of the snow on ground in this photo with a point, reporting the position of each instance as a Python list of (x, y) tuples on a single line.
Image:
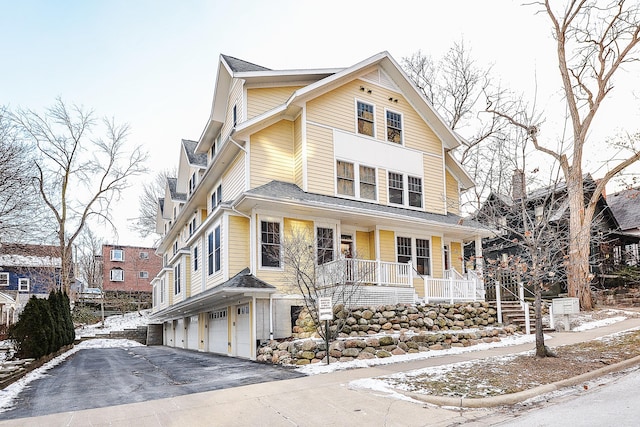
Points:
[(9, 393), (115, 323)]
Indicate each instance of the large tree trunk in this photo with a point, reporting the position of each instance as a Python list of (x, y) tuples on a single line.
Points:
[(578, 274)]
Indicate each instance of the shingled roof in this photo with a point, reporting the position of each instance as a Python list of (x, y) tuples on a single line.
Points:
[(173, 183), (625, 206), (196, 159), (239, 66)]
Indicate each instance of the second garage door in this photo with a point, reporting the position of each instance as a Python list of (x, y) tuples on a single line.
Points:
[(218, 332)]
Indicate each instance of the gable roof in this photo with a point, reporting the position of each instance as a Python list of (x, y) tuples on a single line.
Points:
[(625, 206), (175, 196), (238, 65), (195, 159)]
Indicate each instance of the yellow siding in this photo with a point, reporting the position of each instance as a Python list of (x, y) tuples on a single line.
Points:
[(456, 255), (195, 284), (295, 228), (320, 156), (418, 284), (453, 197), (372, 244), (238, 244), (387, 246), (382, 187), (272, 154), (260, 100), (298, 152), (233, 178), (436, 256), (363, 245), (170, 286), (433, 184), (235, 98)]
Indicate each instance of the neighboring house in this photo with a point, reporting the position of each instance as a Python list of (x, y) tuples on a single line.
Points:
[(26, 270), (625, 206), (357, 155), (550, 205), (129, 269)]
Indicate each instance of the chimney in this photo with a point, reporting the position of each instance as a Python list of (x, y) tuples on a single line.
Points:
[(518, 185)]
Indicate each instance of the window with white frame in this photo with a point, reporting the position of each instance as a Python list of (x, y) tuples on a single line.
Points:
[(396, 188), (415, 191), (365, 119), (423, 257), (23, 284), (235, 115), (192, 226), (143, 274), (367, 182), (345, 178), (217, 249), (163, 290), (270, 244), (210, 262), (117, 255), (195, 258), (324, 244), (177, 279), (403, 248), (192, 183), (4, 279), (394, 127), (116, 275), (216, 197), (144, 255)]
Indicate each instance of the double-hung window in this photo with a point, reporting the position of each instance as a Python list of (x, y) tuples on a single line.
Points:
[(195, 258), (367, 183), (396, 188), (404, 249), (4, 279), (324, 244), (210, 253), (216, 197), (394, 127), (23, 284), (270, 244), (163, 290), (415, 191), (345, 178), (117, 255), (116, 275), (177, 280), (216, 249), (143, 274), (365, 119), (423, 257)]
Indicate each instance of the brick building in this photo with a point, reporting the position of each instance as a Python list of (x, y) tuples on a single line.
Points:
[(129, 268)]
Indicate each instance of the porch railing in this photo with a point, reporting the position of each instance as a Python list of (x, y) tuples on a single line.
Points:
[(350, 270), (454, 287)]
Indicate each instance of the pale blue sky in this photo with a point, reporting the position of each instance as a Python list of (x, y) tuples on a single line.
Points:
[(153, 63)]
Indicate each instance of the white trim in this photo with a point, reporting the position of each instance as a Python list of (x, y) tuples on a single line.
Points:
[(23, 284), (279, 220), (303, 136), (372, 104), (8, 277), (356, 181), (386, 134)]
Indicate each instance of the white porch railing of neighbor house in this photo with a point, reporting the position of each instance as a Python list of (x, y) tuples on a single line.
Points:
[(453, 288), (366, 272)]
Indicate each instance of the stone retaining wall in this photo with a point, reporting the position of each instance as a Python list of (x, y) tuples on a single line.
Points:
[(139, 334), (389, 330), (620, 296)]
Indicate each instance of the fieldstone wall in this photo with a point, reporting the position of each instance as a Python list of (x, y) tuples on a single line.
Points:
[(622, 296), (139, 334), (389, 330)]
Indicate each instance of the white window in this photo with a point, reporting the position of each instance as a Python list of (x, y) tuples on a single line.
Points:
[(195, 258), (415, 191), (423, 257), (348, 174), (163, 290), (4, 279), (144, 255), (270, 244), (143, 274), (324, 244), (394, 127), (216, 197), (396, 188), (117, 255), (23, 284), (367, 183), (345, 178), (366, 124), (405, 190), (177, 280), (117, 275), (403, 247)]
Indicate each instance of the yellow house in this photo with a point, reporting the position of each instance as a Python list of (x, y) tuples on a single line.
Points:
[(356, 157)]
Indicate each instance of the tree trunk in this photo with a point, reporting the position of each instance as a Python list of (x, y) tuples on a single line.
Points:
[(578, 274), (541, 350)]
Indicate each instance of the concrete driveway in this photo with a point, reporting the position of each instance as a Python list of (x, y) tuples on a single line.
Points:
[(95, 378)]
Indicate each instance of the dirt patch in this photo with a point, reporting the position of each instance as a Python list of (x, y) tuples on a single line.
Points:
[(503, 375)]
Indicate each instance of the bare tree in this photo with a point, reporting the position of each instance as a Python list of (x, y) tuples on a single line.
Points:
[(80, 168), (18, 199), (145, 223), (314, 270), (594, 40)]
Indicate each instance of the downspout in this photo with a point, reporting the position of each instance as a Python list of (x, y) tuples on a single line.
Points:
[(271, 317)]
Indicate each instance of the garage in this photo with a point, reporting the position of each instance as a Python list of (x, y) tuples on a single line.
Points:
[(243, 331), (192, 333), (179, 333), (218, 331)]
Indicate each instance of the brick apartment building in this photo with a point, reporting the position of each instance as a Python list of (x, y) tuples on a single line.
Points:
[(129, 268)]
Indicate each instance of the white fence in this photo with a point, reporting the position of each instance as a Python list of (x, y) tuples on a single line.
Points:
[(351, 270), (452, 290)]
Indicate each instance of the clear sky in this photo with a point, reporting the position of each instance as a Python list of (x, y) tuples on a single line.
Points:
[(152, 63)]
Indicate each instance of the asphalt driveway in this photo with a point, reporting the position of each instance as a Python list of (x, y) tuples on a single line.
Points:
[(94, 378)]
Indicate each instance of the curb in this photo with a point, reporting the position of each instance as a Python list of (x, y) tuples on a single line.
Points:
[(512, 398)]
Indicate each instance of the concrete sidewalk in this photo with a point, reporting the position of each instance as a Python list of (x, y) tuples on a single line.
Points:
[(319, 400)]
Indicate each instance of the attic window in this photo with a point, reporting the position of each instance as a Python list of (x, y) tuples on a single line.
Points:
[(394, 127), (365, 119)]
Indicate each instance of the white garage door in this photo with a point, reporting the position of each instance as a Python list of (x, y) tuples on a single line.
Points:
[(168, 334), (243, 331), (179, 334), (192, 333), (218, 332)]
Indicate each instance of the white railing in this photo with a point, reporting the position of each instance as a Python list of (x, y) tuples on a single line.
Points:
[(452, 273), (350, 270), (451, 290)]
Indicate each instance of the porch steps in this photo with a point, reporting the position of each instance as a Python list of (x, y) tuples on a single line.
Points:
[(513, 314)]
